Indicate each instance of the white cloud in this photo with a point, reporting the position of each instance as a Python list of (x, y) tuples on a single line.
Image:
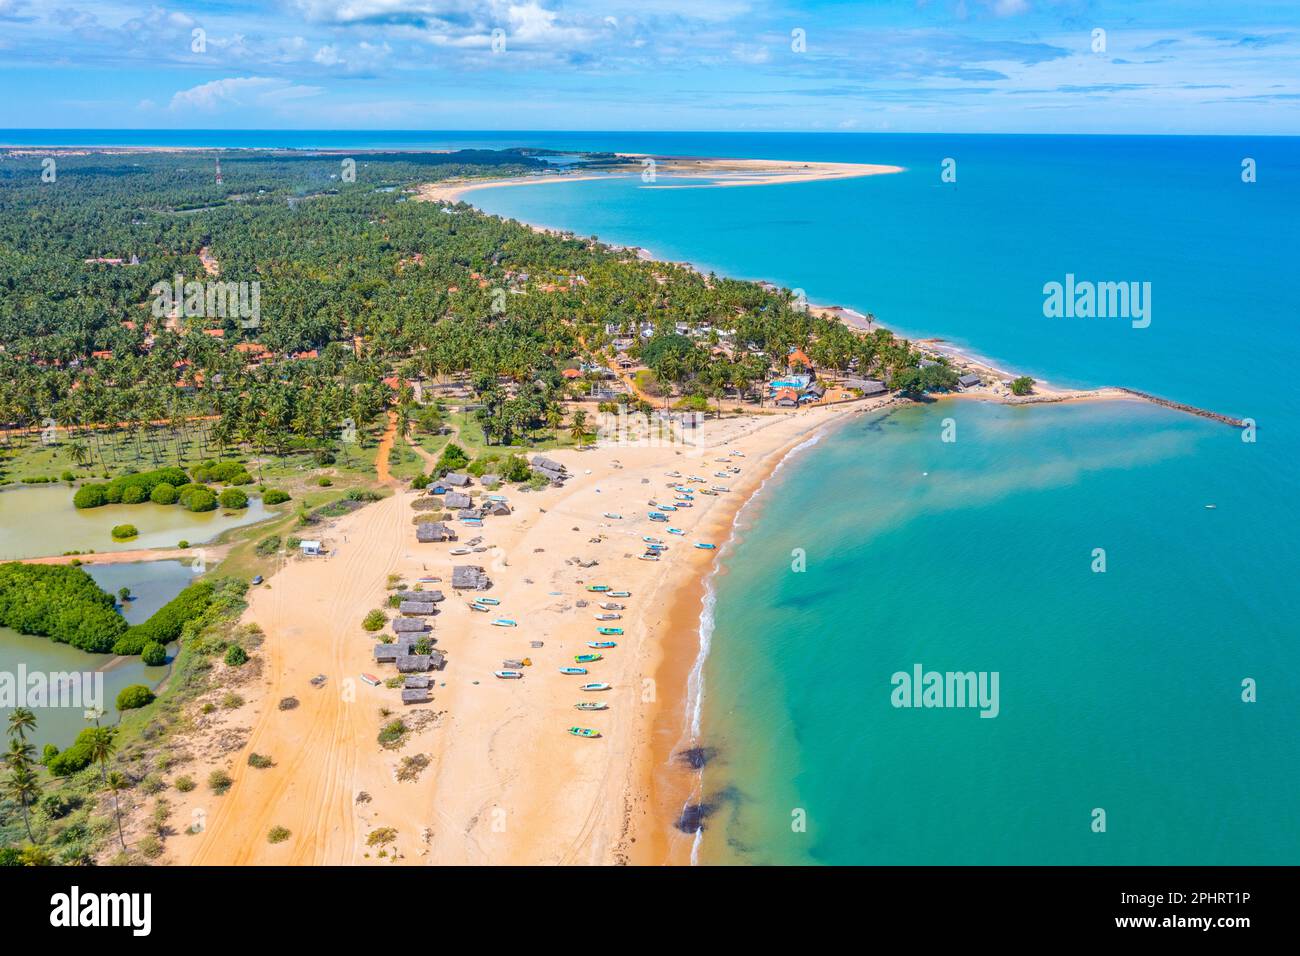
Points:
[(240, 92)]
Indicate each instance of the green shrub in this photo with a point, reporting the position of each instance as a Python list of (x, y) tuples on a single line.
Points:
[(233, 498), (78, 756), (49, 753), (67, 476), (392, 734), (124, 532), (374, 621), (268, 545), (133, 495), (219, 782), (277, 835), (197, 498), (184, 784), (275, 496), (164, 493), (137, 695), (236, 656), (154, 654), (260, 761), (453, 458), (324, 482), (90, 496), (165, 625), (60, 602)]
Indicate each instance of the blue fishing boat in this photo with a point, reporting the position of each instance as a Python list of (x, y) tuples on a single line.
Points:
[(676, 531), (504, 622), (573, 670), (595, 686), (492, 601), (602, 644)]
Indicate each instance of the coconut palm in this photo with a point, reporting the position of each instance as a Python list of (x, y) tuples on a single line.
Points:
[(20, 722), (23, 787), (117, 781), (102, 747)]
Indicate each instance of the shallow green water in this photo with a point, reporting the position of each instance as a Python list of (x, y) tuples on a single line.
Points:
[(1118, 690), (40, 520)]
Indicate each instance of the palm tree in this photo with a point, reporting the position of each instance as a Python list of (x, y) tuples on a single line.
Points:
[(23, 787), (21, 721), (20, 753), (102, 747), (117, 781), (579, 429)]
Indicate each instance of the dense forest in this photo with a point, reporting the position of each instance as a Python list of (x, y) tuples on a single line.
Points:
[(360, 289)]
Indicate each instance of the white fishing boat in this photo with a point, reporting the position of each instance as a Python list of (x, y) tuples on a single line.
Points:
[(509, 675)]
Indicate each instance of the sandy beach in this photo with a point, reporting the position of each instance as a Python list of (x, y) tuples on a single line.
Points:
[(505, 783), (720, 172)]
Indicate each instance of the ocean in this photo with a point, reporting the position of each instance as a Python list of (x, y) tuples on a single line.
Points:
[(1121, 733)]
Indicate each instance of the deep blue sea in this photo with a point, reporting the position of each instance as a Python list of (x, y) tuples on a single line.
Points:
[(1121, 690)]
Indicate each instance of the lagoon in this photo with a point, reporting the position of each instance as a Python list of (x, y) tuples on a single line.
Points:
[(39, 520)]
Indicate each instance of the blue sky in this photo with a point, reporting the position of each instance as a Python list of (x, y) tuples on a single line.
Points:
[(1226, 66)]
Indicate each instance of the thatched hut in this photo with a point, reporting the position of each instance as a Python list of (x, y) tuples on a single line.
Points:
[(389, 653), (456, 500), (411, 695), (410, 625), (413, 663), (418, 607), (465, 577), (427, 532)]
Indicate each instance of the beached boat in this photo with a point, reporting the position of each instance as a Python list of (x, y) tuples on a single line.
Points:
[(584, 732), (597, 587), (586, 658), (496, 498), (685, 504), (504, 622), (573, 670), (620, 594), (649, 556), (721, 489), (602, 644), (708, 491), (649, 540), (509, 675), (667, 507), (737, 454), (592, 705), (656, 516), (611, 606), (429, 579), (595, 686), (673, 474), (370, 679), (475, 606), (676, 531), (472, 522), (656, 547), (694, 478), (257, 579), (721, 474), (492, 601), (613, 516), (459, 551), (608, 617), (704, 546), (609, 630)]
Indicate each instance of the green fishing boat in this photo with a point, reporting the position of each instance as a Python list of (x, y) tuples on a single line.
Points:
[(584, 732), (586, 658), (609, 630)]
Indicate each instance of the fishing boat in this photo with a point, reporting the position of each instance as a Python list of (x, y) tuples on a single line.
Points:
[(592, 705), (584, 732), (602, 644), (459, 551), (509, 675), (613, 516), (704, 546), (370, 679), (721, 474), (257, 579), (685, 504), (673, 474), (676, 531), (649, 540), (504, 622), (496, 497), (609, 630), (648, 556), (573, 670), (492, 601), (708, 491), (608, 617), (472, 522), (586, 658), (667, 507), (595, 686), (1211, 507), (656, 516), (597, 587), (721, 489), (611, 606), (479, 607), (694, 478), (620, 594), (428, 579), (656, 547), (736, 454)]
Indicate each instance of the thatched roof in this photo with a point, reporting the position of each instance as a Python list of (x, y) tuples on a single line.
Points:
[(410, 625), (415, 696), (552, 475), (417, 607), (456, 480), (541, 461), (429, 531), (437, 660), (434, 596), (456, 499), (392, 652), (469, 577), (867, 386), (413, 663), (417, 681), (496, 508), (490, 480)]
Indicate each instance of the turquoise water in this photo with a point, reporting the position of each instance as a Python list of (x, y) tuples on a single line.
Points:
[(1119, 691)]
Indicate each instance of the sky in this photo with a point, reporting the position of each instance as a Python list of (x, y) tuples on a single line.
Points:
[(1042, 66)]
